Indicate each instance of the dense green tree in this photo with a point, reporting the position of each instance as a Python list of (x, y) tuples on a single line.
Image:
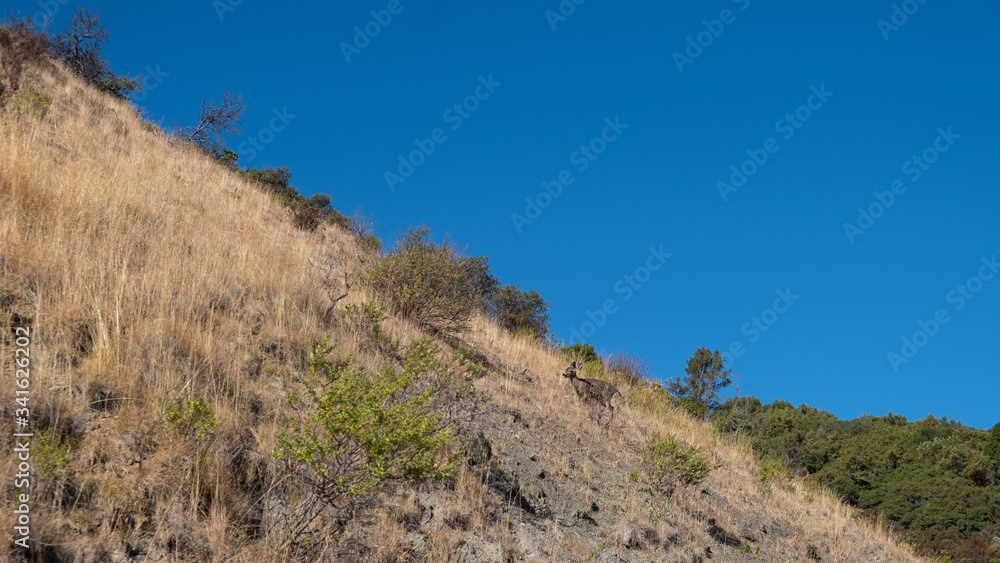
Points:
[(706, 376), (484, 284), (933, 479), (993, 444), (935, 501)]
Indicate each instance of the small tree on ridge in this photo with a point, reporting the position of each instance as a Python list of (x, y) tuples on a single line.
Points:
[(706, 376)]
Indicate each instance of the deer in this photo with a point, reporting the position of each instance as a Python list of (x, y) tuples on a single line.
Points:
[(593, 390)]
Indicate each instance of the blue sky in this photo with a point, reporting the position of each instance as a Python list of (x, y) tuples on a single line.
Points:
[(654, 225)]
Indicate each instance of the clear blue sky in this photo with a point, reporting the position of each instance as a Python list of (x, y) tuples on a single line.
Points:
[(865, 99)]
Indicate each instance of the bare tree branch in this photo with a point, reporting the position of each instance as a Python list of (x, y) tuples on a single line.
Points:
[(214, 121), (80, 45), (360, 225), (334, 277)]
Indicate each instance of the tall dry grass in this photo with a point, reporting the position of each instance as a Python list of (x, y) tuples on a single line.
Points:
[(150, 274)]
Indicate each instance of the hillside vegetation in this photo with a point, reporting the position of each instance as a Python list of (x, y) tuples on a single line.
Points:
[(201, 389), (933, 480)]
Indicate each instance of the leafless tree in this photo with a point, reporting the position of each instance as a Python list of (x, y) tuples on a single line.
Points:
[(80, 45), (214, 121), (334, 276), (361, 225)]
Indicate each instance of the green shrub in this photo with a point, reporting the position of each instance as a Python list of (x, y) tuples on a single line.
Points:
[(696, 409), (520, 312), (594, 368), (365, 319), (151, 127), (37, 103), (228, 158), (768, 468), (484, 284), (955, 454), (425, 282), (118, 86), (372, 242), (275, 181), (335, 217), (668, 465), (579, 352), (319, 201), (363, 430), (51, 453), (934, 478), (195, 414)]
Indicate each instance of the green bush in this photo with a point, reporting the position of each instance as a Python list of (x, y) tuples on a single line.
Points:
[(668, 465), (425, 282), (937, 502), (228, 158), (335, 217), (695, 408), (768, 468), (365, 319), (594, 368), (372, 242), (520, 312), (118, 86), (51, 453), (275, 181), (37, 103), (363, 430), (579, 352), (151, 127), (195, 414)]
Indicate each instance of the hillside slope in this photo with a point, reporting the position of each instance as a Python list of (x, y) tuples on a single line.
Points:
[(148, 274)]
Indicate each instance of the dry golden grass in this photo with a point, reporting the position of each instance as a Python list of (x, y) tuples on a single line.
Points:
[(150, 274)]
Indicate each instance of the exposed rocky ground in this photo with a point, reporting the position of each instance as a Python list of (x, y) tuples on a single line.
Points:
[(551, 492)]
